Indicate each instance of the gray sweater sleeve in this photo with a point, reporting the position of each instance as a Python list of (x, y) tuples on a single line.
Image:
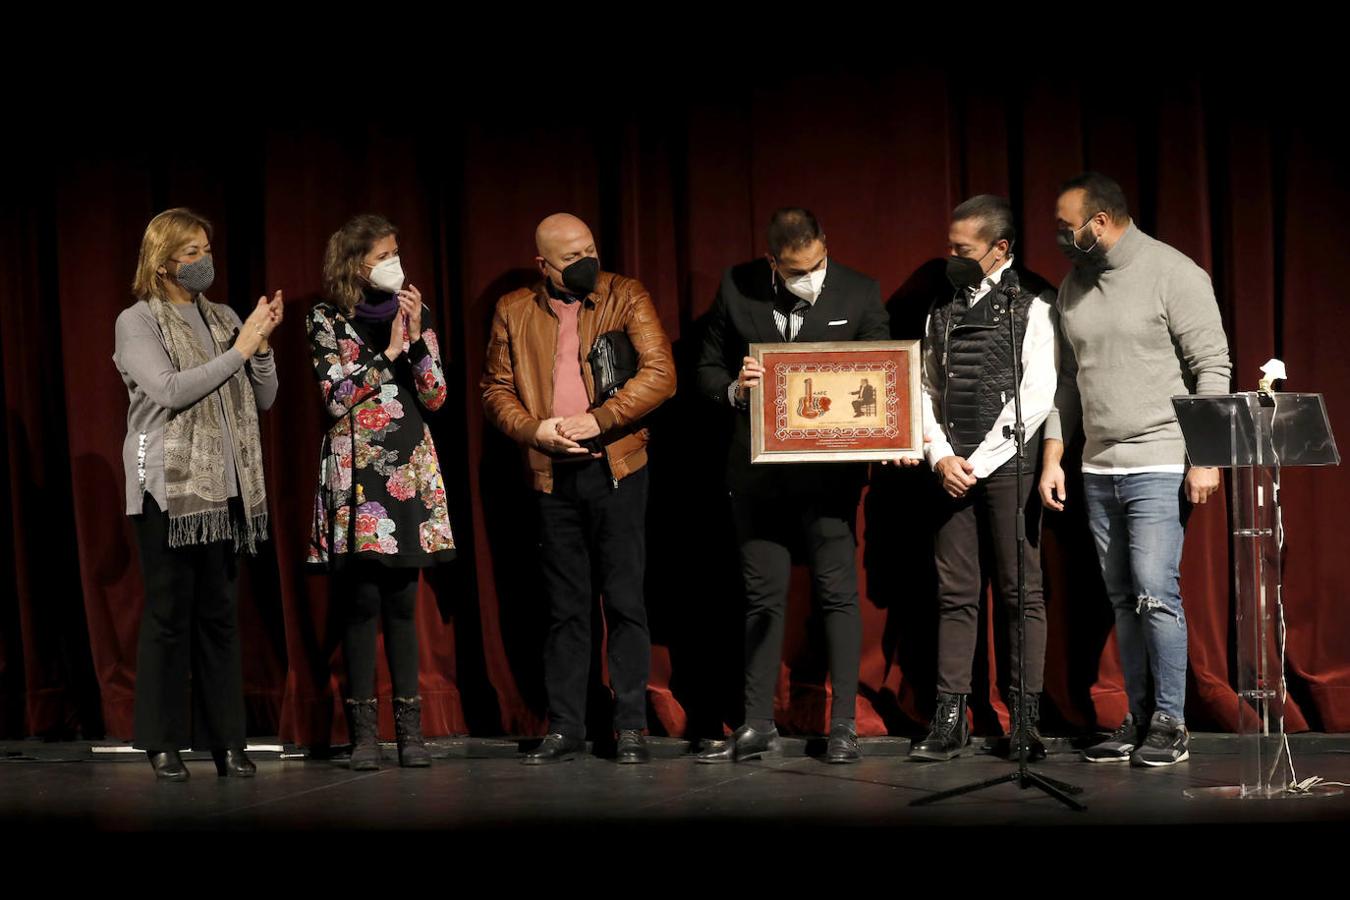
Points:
[(1193, 319), (140, 354), (1066, 415), (262, 371)]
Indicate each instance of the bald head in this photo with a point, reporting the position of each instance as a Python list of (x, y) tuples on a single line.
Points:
[(561, 240), (559, 231)]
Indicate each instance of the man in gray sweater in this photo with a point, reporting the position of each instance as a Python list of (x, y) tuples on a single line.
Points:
[(1138, 323)]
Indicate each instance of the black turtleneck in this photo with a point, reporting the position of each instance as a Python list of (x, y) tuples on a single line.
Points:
[(374, 332)]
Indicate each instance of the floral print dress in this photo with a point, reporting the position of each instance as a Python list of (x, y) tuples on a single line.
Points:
[(378, 454)]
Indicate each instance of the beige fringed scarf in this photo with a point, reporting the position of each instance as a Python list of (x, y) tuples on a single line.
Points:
[(194, 462)]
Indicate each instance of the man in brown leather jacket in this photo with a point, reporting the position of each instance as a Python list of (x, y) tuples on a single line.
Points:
[(587, 457)]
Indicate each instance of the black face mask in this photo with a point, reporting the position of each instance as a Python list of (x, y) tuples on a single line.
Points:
[(964, 272), (579, 278), (1067, 239)]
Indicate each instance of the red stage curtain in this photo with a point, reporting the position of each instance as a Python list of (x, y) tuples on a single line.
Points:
[(678, 185)]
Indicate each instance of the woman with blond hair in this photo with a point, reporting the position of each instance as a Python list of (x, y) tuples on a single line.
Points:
[(380, 512), (196, 377)]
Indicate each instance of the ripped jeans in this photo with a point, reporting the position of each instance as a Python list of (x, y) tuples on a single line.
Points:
[(1138, 523)]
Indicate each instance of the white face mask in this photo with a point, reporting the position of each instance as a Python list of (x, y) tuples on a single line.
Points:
[(807, 286), (387, 275)]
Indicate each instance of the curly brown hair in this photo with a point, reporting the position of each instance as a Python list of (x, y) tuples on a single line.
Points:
[(347, 248)]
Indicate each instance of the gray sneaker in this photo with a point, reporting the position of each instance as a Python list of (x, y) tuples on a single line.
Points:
[(1167, 743), (1118, 745)]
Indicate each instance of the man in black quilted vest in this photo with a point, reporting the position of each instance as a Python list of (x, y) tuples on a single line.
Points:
[(967, 403)]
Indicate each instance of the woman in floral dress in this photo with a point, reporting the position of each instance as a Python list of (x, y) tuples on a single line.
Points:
[(376, 364)]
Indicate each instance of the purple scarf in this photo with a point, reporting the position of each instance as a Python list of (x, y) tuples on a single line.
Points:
[(372, 310)]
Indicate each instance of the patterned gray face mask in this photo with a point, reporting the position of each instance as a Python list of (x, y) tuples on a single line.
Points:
[(195, 277)]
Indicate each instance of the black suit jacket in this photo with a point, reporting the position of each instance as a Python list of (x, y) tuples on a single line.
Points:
[(848, 309)]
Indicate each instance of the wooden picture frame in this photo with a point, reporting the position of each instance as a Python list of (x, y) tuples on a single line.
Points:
[(814, 404)]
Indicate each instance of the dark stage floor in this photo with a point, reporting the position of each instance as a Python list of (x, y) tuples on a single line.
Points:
[(476, 786)]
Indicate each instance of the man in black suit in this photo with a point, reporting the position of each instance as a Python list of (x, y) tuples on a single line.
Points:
[(795, 294), (867, 396)]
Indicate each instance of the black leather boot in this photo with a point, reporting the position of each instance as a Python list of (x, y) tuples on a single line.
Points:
[(412, 747), (168, 765), (233, 763), (363, 720), (949, 734), (1031, 704)]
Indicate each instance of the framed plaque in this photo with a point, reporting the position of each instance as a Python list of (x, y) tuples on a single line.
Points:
[(844, 401)]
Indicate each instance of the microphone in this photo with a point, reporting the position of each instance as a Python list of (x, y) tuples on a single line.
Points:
[(1011, 285)]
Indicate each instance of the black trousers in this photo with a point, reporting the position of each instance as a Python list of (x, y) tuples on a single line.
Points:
[(767, 530), (369, 592), (988, 512), (592, 536), (189, 629)]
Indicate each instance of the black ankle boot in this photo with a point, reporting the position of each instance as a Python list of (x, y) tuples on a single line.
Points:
[(1031, 705), (168, 765), (233, 763), (412, 747), (949, 733), (363, 723)]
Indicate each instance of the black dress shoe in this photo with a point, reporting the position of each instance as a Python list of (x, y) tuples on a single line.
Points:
[(632, 748), (555, 748), (168, 766), (843, 746), (746, 744), (233, 764)]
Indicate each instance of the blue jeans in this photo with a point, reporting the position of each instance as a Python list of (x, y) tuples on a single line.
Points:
[(1138, 523)]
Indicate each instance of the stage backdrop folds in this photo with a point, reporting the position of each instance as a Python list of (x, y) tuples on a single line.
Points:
[(678, 185)]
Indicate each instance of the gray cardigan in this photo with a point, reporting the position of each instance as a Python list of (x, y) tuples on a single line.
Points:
[(1144, 328), (157, 390)]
